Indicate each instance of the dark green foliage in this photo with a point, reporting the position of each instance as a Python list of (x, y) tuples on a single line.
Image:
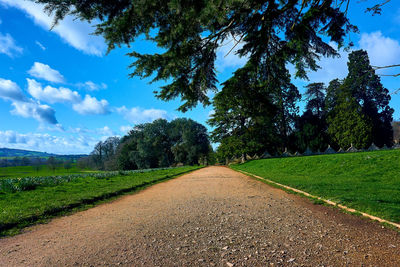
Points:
[(310, 132), (310, 128), (253, 112), (358, 108), (366, 181), (315, 96), (189, 32), (366, 87), (347, 125), (332, 94), (162, 143)]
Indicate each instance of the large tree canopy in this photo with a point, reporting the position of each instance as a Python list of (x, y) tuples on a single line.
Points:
[(190, 31)]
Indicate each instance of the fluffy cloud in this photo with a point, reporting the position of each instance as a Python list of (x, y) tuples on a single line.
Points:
[(106, 131), (75, 32), (227, 57), (8, 46), (45, 142), (138, 115), (382, 50), (9, 90), (52, 95), (90, 105), (125, 128), (331, 68), (91, 86), (45, 72), (41, 113), (25, 107)]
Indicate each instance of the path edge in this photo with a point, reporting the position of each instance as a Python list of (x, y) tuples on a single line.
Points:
[(326, 201)]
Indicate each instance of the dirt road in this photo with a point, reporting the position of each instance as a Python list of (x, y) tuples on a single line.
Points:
[(211, 217)]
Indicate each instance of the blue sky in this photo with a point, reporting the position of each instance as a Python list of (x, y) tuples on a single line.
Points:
[(61, 93)]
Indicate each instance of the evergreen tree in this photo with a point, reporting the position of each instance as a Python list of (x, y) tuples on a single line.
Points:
[(347, 125), (366, 87), (190, 32), (315, 97), (311, 126), (332, 94), (254, 111)]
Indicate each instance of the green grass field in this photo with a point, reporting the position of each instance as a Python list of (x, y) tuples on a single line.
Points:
[(366, 181), (25, 171), (21, 208)]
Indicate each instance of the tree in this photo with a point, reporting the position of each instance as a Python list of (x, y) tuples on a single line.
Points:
[(315, 97), (52, 163), (347, 125), (36, 164), (310, 132), (189, 140), (190, 32), (97, 155), (332, 94), (163, 144), (311, 127), (254, 111), (367, 89), (67, 164)]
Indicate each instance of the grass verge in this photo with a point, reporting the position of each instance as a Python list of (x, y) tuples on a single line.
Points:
[(366, 181), (43, 170), (21, 209)]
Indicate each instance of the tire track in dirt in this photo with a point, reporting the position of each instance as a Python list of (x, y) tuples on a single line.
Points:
[(211, 217)]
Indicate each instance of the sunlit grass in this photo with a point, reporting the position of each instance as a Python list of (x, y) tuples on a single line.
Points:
[(366, 181), (24, 207)]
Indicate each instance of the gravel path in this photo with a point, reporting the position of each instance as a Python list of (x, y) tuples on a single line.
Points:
[(211, 217)]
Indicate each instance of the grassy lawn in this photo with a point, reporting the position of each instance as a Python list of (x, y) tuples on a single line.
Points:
[(25, 171), (366, 181), (22, 208)]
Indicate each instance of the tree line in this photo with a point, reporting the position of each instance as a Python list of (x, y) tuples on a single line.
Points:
[(152, 145), (255, 114), (37, 162)]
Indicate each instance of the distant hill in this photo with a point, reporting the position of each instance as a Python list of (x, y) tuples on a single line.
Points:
[(12, 153)]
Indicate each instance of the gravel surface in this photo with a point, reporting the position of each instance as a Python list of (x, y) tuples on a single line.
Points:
[(211, 217)]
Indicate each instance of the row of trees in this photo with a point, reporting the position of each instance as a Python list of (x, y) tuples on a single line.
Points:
[(36, 162), (256, 112), (151, 145)]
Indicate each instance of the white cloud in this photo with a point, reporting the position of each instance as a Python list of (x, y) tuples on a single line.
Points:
[(45, 72), (8, 46), (91, 86), (106, 131), (227, 57), (382, 50), (25, 107), (40, 45), (48, 143), (90, 105), (41, 113), (125, 128), (10, 90), (138, 115), (75, 32), (331, 68), (52, 95)]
